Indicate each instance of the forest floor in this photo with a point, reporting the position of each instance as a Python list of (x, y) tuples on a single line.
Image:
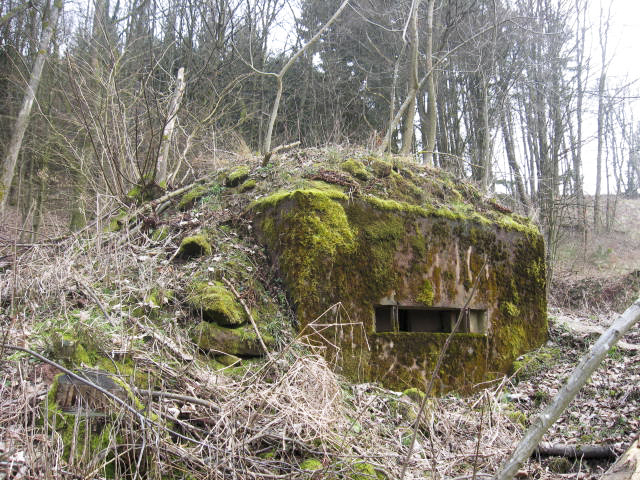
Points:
[(592, 285)]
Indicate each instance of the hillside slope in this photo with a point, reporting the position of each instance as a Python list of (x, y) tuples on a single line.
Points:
[(137, 301)]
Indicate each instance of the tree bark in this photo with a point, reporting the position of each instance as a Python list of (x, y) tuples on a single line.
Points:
[(575, 451), (167, 134), (407, 134), (7, 169), (429, 144), (578, 378), (507, 135), (627, 467)]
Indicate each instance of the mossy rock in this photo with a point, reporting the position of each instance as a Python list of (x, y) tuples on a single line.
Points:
[(241, 341), (92, 427), (216, 304), (195, 246), (246, 186), (381, 169), (237, 176), (191, 197), (356, 169)]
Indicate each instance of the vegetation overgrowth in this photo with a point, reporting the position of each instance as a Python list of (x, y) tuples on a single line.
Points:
[(118, 302)]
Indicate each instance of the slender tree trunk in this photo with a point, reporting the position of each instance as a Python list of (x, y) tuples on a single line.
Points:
[(484, 147), (507, 135), (577, 155), (603, 33), (167, 134), (429, 144), (407, 134), (596, 198), (15, 143), (266, 148)]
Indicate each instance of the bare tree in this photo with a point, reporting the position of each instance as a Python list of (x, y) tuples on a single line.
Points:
[(412, 26), (13, 150), (266, 147), (167, 134), (603, 34)]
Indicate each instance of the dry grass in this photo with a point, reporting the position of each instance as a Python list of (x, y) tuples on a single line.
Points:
[(259, 424)]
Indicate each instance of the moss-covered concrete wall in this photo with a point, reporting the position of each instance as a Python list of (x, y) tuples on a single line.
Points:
[(365, 250)]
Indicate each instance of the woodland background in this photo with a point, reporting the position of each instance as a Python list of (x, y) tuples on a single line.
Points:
[(494, 91)]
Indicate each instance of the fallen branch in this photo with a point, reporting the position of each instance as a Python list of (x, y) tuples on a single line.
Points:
[(578, 378), (575, 451)]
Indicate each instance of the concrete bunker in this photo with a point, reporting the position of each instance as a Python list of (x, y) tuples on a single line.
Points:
[(404, 273)]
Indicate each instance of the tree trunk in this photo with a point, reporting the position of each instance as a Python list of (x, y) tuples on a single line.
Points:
[(507, 135), (596, 198), (429, 144), (578, 378), (603, 33), (577, 155), (266, 148), (167, 133), (407, 134), (15, 143)]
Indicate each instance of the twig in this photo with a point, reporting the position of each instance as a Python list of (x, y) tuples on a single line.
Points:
[(178, 397), (248, 312), (95, 298)]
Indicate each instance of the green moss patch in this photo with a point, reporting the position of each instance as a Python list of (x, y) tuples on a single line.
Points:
[(311, 464), (246, 186), (194, 246), (356, 169), (216, 304), (381, 169), (426, 293), (241, 341), (237, 176), (191, 197)]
